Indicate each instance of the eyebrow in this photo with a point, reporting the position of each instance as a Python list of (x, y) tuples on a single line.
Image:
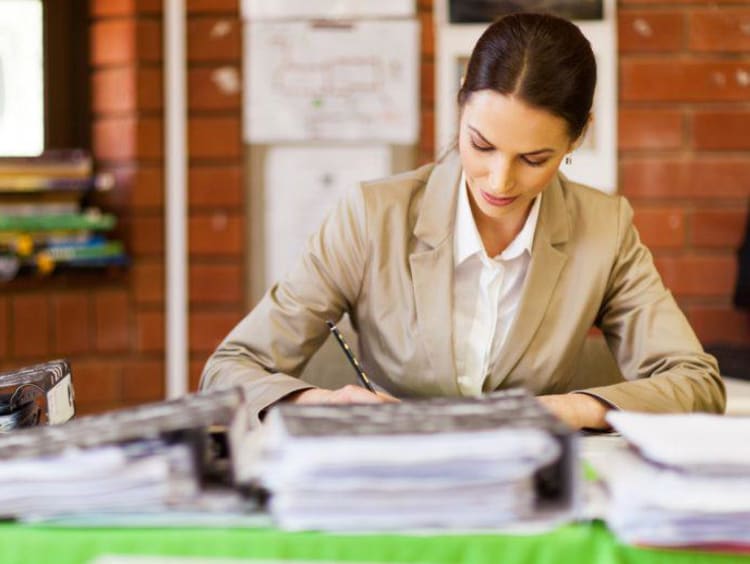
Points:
[(537, 152)]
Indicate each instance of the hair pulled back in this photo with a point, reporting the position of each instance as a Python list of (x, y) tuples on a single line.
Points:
[(543, 60)]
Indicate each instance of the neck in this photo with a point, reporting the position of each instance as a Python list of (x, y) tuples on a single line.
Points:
[(498, 233)]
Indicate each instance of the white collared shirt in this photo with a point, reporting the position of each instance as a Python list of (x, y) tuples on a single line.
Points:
[(486, 293)]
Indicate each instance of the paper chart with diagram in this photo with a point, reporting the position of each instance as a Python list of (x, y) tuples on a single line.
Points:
[(335, 81)]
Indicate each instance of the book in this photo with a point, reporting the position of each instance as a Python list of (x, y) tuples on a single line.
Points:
[(60, 163)]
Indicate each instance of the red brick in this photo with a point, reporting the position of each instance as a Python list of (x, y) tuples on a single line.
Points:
[(216, 283), (427, 34), (723, 30), (113, 41), (214, 39), (722, 130), (214, 137), (718, 228), (208, 329), (698, 276), (143, 381), (125, 40), (95, 381), (3, 327), (215, 186), (427, 132), (213, 6), (647, 31), (148, 282), (124, 7), (195, 371), (668, 80), (126, 89), (71, 324), (217, 234), (719, 324), (215, 88), (150, 330), (649, 129), (112, 321), (127, 138), (707, 178), (661, 227), (30, 329), (146, 235), (113, 89), (427, 89), (139, 186)]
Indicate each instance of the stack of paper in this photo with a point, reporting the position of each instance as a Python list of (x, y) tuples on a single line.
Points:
[(470, 463), (147, 459), (686, 483)]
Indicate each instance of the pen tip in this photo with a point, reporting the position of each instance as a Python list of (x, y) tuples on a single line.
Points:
[(329, 323)]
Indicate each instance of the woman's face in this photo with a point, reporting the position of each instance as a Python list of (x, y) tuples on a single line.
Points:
[(509, 152)]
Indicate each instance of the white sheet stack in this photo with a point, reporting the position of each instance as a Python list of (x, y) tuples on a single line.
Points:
[(687, 481), (458, 464)]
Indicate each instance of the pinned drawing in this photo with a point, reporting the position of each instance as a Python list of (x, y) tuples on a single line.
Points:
[(332, 81)]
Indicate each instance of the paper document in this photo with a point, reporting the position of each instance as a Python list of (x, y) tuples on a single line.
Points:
[(355, 81)]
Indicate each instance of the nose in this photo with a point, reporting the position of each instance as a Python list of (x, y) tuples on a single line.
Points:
[(501, 177)]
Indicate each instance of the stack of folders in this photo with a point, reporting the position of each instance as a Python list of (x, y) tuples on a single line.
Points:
[(684, 482), (150, 458), (443, 463), (38, 394)]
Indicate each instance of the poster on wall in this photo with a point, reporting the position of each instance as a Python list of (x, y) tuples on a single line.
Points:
[(595, 161), (311, 81), (306, 9), (302, 184)]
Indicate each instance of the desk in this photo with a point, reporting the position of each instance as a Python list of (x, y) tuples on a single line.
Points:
[(574, 544)]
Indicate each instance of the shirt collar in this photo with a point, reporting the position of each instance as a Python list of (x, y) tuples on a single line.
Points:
[(467, 241)]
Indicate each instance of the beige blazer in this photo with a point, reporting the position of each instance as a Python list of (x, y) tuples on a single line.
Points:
[(385, 256)]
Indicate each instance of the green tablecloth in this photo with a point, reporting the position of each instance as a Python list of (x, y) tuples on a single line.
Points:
[(575, 544)]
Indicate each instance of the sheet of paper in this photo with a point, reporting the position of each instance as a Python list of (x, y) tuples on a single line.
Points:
[(355, 81), (302, 9), (694, 441), (302, 184)]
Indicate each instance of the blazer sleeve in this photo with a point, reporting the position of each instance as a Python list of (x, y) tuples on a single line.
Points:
[(269, 348), (665, 367)]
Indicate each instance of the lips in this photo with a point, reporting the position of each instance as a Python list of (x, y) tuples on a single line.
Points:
[(495, 201)]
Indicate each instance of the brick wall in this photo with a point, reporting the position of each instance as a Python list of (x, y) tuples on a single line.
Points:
[(684, 146)]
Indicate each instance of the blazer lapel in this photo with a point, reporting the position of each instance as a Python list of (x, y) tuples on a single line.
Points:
[(547, 261), (432, 272)]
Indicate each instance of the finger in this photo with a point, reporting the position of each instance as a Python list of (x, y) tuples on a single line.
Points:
[(387, 398)]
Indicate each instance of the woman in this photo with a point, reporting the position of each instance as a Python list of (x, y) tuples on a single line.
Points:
[(488, 269)]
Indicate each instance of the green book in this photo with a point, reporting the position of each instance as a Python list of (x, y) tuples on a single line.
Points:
[(58, 222)]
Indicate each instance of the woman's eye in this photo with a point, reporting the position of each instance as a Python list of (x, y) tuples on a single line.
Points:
[(481, 147), (531, 162)]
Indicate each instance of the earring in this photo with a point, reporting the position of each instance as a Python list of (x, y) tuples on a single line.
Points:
[(568, 159)]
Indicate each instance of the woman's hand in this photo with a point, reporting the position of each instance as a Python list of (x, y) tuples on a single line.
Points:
[(347, 394), (578, 410)]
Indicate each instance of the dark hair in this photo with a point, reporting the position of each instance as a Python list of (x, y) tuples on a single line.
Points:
[(543, 60)]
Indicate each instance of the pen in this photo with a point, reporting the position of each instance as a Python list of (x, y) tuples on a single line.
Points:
[(350, 355)]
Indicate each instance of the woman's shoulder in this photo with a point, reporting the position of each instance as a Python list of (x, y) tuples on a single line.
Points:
[(593, 204)]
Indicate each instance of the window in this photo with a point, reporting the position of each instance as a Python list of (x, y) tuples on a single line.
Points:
[(21, 78)]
